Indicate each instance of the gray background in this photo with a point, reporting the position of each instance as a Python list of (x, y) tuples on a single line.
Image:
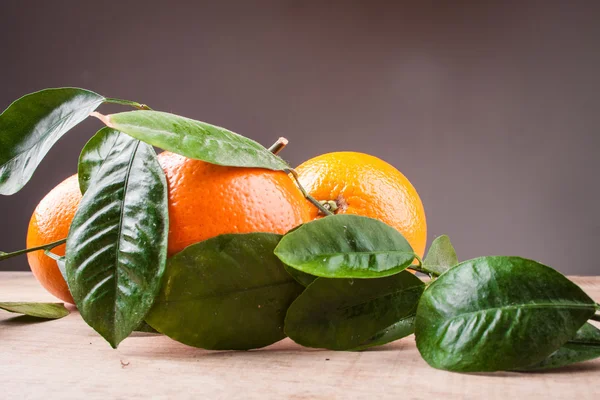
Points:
[(491, 109)]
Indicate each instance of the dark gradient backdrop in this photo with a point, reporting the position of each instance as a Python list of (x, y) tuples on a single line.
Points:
[(490, 108)]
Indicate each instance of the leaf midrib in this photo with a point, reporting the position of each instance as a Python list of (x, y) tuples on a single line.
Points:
[(358, 252), (229, 141), (516, 307), (120, 232)]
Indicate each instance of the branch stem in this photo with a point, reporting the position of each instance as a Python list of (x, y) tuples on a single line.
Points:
[(595, 317), (49, 246), (315, 202), (134, 104)]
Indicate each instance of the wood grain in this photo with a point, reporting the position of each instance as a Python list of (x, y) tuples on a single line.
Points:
[(66, 359)]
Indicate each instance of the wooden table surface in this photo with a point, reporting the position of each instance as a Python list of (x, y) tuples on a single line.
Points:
[(66, 359)]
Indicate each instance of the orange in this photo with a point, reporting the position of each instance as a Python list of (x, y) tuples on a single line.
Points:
[(50, 222), (206, 200), (365, 185)]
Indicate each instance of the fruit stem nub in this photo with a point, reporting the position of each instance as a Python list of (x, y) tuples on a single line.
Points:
[(278, 145)]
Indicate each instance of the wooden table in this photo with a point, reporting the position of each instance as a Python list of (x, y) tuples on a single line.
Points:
[(66, 359)]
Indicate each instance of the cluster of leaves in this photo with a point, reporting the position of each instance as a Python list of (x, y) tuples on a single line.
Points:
[(340, 282)]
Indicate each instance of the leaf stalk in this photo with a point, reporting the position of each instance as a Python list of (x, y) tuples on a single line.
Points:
[(315, 202), (133, 104), (49, 246)]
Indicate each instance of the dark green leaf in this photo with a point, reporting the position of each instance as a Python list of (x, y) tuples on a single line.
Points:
[(344, 314), (440, 257), (400, 329), (584, 346), (94, 154), (39, 310), (498, 313), (117, 245), (60, 261), (144, 327), (194, 139), (346, 246), (30, 126), (301, 277), (225, 293)]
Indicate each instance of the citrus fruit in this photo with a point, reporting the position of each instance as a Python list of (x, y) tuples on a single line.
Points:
[(206, 200), (50, 222), (361, 184)]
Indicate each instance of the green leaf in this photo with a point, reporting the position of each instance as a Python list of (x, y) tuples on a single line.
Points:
[(583, 347), (344, 314), (440, 257), (60, 261), (117, 245), (30, 126), (346, 246), (194, 139), (301, 277), (94, 155), (498, 313), (39, 310), (144, 327), (402, 328), (225, 293)]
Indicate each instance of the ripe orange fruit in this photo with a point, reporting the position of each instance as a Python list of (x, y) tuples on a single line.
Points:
[(365, 185), (206, 200), (50, 222)]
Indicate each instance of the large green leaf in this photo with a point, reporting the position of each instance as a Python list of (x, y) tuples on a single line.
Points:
[(30, 126), (301, 277), (441, 256), (117, 245), (38, 310), (344, 314), (584, 346), (346, 246), (498, 313), (194, 139), (94, 154), (402, 328), (225, 293)]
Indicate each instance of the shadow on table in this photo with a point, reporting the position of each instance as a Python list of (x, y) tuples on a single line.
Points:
[(164, 347), (20, 320)]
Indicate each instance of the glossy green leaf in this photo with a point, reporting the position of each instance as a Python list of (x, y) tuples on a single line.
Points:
[(30, 126), (583, 347), (441, 256), (117, 245), (194, 139), (94, 155), (344, 314), (225, 293), (399, 330), (38, 310), (498, 313), (346, 246)]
